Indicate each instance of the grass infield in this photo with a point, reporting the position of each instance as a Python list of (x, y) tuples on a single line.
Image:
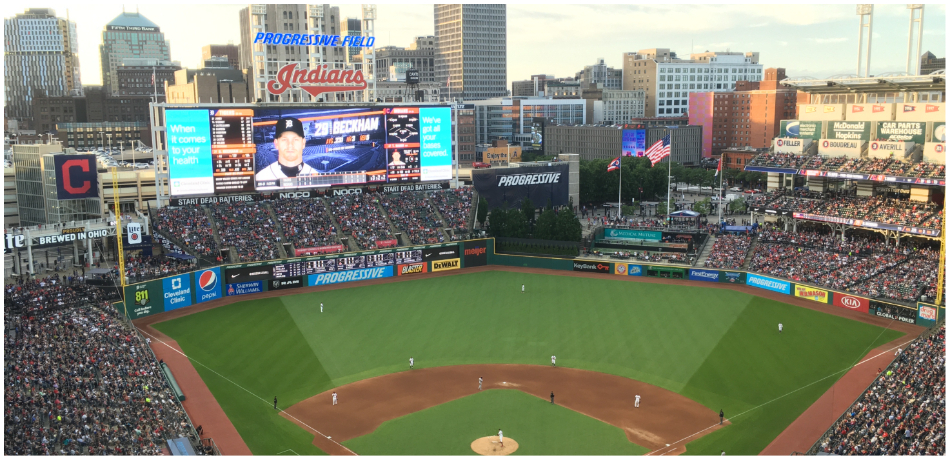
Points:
[(718, 347)]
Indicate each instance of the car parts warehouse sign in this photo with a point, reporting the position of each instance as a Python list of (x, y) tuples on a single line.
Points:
[(912, 131)]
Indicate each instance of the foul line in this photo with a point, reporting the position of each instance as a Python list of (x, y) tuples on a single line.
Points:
[(288, 450), (670, 446), (245, 389)]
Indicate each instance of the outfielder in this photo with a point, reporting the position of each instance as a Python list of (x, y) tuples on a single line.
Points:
[(501, 438), (321, 307), (636, 401), (411, 362), (334, 398), (522, 289), (780, 327), (553, 358)]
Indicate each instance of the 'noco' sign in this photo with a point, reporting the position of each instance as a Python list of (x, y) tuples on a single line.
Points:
[(317, 80)]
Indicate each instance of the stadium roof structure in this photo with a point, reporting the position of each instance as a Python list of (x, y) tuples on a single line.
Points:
[(885, 83)]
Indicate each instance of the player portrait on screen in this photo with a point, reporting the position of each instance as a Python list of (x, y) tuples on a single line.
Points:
[(397, 161), (289, 140)]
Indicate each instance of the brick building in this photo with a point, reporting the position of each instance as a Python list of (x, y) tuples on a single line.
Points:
[(748, 117), (97, 105), (229, 51)]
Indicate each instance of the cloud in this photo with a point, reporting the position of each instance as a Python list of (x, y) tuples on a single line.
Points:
[(829, 40), (783, 43)]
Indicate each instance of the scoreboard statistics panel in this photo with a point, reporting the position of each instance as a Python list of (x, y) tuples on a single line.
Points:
[(408, 257), (379, 260), (321, 266), (402, 145), (232, 150), (350, 263), (289, 270)]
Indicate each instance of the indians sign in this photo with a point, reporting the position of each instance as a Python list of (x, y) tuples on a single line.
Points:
[(318, 80)]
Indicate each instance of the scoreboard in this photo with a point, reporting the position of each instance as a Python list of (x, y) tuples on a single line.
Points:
[(379, 260), (408, 257), (350, 263), (232, 150)]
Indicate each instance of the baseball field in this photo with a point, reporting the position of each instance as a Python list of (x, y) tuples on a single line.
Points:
[(688, 351)]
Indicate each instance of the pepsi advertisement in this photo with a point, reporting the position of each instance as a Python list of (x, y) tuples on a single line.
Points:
[(207, 284)]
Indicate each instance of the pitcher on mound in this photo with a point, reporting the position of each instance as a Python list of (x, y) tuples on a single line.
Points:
[(501, 438)]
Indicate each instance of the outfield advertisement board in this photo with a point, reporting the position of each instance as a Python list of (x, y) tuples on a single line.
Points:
[(770, 284), (249, 287), (634, 270), (912, 131), (851, 302), (207, 284), (350, 275), (732, 277), (411, 269), (704, 275), (808, 292), (644, 235), (443, 253), (509, 186), (476, 253), (285, 283), (893, 311), (797, 129), (446, 264), (250, 272), (926, 313), (591, 267), (849, 130), (144, 299), (176, 291)]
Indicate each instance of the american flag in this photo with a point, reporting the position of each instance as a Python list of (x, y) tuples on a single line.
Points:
[(659, 150)]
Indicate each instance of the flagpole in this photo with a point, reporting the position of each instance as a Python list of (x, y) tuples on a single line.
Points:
[(721, 173), (669, 181), (620, 188)]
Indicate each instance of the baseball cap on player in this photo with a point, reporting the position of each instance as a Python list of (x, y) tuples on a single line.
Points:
[(289, 124)]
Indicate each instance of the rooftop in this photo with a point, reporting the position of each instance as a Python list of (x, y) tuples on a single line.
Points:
[(131, 20)]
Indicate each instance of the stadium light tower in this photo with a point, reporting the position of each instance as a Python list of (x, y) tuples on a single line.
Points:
[(916, 15), (865, 11)]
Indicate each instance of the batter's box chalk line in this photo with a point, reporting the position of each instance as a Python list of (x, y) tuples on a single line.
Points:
[(664, 450), (268, 403)]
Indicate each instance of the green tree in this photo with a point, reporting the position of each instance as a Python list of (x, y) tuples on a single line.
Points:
[(703, 206), (516, 225), (482, 213), (737, 205), (527, 208), (568, 227), (661, 208), (546, 228)]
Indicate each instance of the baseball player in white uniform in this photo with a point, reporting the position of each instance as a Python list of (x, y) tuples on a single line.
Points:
[(780, 327), (501, 438), (479, 384), (522, 289), (411, 362), (334, 398), (321, 307), (553, 358), (636, 401)]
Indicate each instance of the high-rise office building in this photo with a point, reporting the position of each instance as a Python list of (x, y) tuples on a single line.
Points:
[(353, 27), (129, 35), (599, 73), (39, 53), (420, 55), (229, 51), (263, 61), (471, 50), (668, 80)]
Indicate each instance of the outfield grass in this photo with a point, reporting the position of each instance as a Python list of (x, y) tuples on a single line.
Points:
[(718, 347), (539, 427)]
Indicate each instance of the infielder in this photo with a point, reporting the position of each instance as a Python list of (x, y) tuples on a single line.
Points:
[(411, 362), (334, 398), (780, 327), (479, 384), (553, 358), (636, 401), (501, 438)]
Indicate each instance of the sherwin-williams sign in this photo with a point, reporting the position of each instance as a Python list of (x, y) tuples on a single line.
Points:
[(808, 292), (912, 131), (850, 130), (798, 129), (769, 284), (644, 235)]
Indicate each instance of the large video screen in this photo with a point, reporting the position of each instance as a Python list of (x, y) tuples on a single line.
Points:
[(215, 151), (634, 142)]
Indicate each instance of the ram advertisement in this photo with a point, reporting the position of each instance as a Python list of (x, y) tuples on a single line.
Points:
[(508, 187)]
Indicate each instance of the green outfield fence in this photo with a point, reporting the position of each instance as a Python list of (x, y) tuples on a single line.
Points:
[(182, 290)]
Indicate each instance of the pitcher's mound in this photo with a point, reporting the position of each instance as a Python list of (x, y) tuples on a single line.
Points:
[(489, 446)]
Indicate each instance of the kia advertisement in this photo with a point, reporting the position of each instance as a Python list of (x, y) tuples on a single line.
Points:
[(176, 291), (208, 284), (591, 267), (770, 284), (851, 302), (704, 275)]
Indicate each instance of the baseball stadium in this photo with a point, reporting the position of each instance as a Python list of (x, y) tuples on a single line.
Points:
[(408, 318)]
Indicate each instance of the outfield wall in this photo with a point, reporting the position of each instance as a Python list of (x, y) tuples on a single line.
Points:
[(174, 292)]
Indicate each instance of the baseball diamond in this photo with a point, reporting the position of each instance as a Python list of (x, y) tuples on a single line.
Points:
[(684, 346)]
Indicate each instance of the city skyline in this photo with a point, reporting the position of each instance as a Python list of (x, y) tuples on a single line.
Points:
[(826, 32)]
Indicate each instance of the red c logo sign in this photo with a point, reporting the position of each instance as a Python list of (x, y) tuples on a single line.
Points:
[(67, 183)]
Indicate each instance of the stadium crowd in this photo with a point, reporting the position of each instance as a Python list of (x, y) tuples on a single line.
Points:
[(190, 226), (360, 219), (249, 229), (880, 208), (456, 209), (50, 293), (904, 410), (889, 166), (729, 251), (142, 268), (305, 222), (412, 213), (79, 381)]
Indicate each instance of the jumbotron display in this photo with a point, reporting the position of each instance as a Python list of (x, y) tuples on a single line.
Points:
[(214, 151)]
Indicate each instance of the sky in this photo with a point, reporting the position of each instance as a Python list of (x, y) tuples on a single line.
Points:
[(560, 39)]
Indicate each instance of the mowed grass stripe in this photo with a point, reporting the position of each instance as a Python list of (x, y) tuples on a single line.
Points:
[(754, 363), (539, 427)]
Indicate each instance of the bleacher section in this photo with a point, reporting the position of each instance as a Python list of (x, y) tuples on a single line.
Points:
[(876, 209), (412, 213), (306, 222), (361, 220), (248, 229), (888, 166)]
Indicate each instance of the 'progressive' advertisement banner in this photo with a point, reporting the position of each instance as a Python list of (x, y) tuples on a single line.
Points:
[(704, 275), (512, 185), (769, 284), (350, 275), (851, 302)]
